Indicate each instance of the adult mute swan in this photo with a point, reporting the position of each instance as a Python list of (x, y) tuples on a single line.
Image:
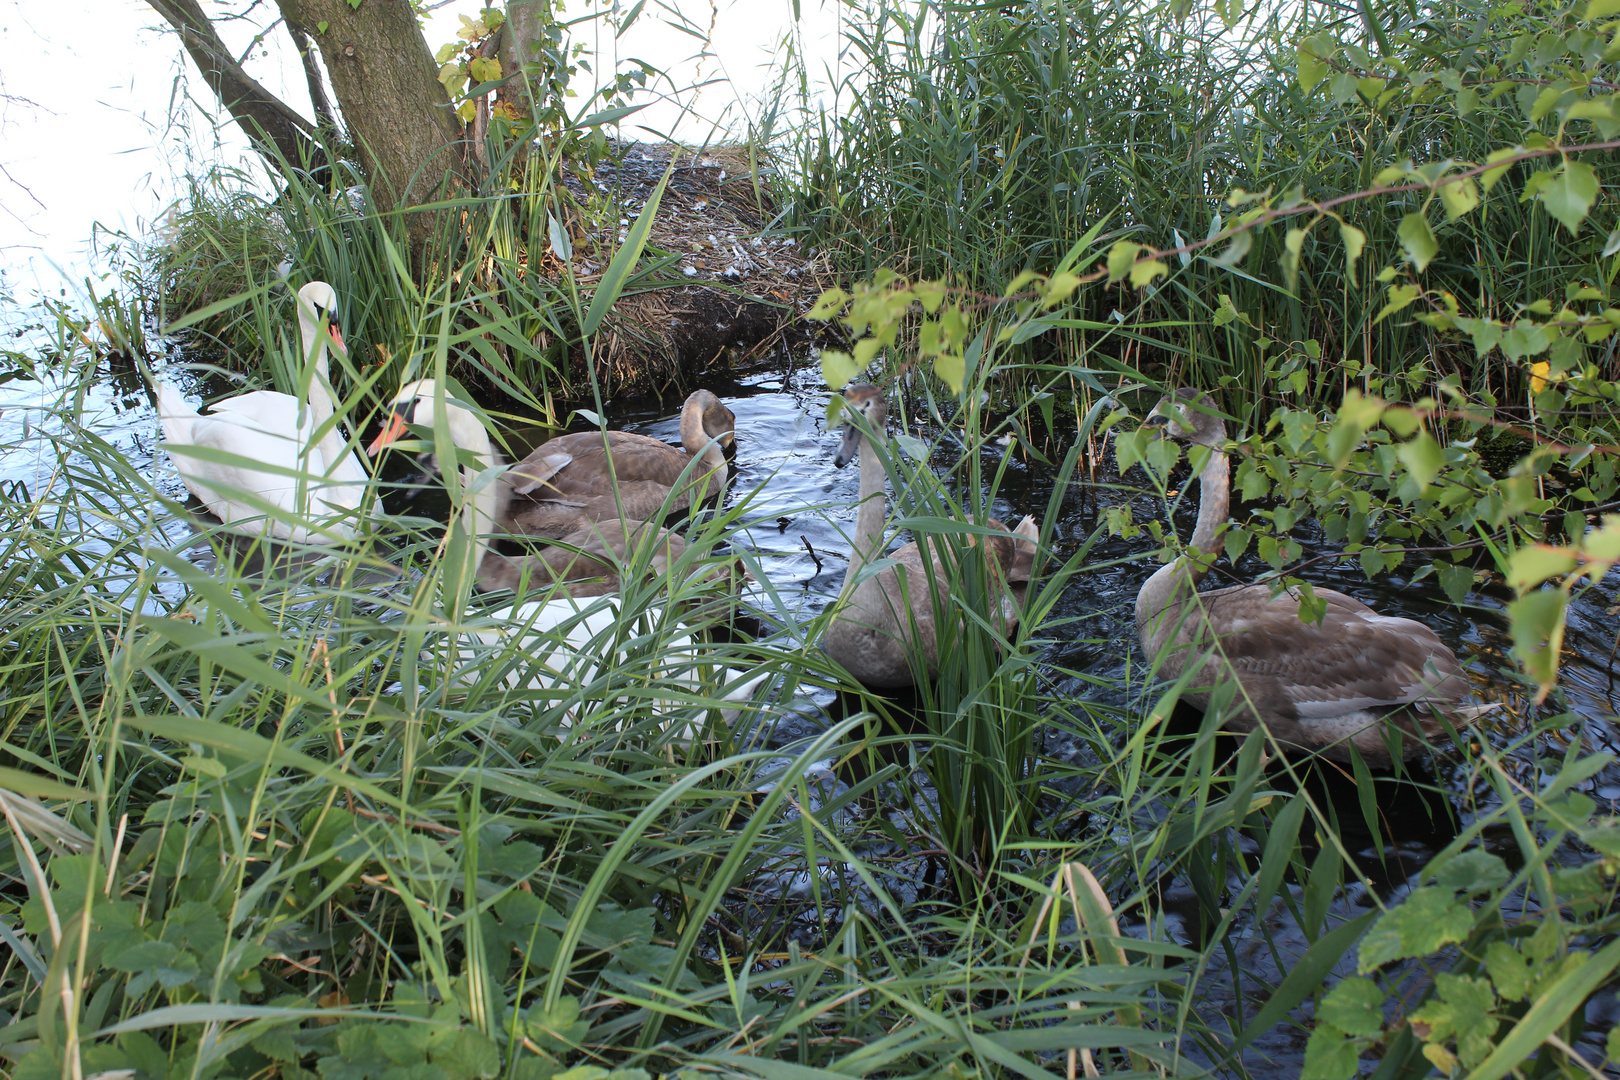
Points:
[(572, 480), (1321, 686), (879, 623), (262, 470), (568, 640)]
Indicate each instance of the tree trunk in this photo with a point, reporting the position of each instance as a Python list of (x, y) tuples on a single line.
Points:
[(387, 86), (266, 119)]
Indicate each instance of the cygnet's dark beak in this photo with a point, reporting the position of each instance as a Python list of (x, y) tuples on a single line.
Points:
[(849, 447)]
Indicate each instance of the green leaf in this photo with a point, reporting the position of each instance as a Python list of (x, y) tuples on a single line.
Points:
[(1568, 195), (1455, 580), (1355, 241), (1145, 271), (827, 305), (1311, 70), (1475, 871), (838, 368), (1417, 240), (1537, 625), (1427, 920), (1549, 1013), (1459, 196), (1330, 1054), (952, 369), (1535, 563), (1355, 1007), (1602, 9), (1400, 296), (1423, 459), (1121, 257), (1489, 177), (1461, 1010)]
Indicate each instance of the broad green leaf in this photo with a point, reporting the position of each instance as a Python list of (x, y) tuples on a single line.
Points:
[(1455, 580), (1459, 196), (1423, 458), (1311, 70), (1535, 563), (1461, 1010), (1354, 242), (1401, 420), (838, 368), (1417, 240), (1145, 271), (1551, 1009), (1400, 296), (1239, 247), (1466, 101), (1602, 9), (1425, 921), (1489, 177), (1537, 624), (951, 368), (1355, 1007), (1120, 259), (827, 305), (1331, 1054), (1569, 194), (1474, 871)]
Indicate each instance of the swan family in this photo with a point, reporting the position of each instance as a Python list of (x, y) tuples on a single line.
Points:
[(279, 466)]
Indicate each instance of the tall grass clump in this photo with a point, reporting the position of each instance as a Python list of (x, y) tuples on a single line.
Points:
[(972, 144)]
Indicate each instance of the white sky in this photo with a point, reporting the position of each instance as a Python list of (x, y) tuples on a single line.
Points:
[(100, 144)]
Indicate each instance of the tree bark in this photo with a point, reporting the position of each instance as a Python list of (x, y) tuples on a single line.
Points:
[(267, 120), (387, 85), (325, 115)]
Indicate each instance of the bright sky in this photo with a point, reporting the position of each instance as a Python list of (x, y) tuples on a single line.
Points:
[(96, 142)]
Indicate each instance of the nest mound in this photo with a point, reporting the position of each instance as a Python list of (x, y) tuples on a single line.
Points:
[(732, 286)]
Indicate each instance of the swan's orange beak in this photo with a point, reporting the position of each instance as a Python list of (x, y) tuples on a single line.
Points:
[(396, 427), (337, 338)]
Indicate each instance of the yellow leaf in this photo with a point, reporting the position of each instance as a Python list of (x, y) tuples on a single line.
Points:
[(1145, 271), (1120, 258), (485, 68), (1538, 376)]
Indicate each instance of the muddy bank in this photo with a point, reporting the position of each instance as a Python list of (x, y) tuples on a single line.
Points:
[(729, 284)]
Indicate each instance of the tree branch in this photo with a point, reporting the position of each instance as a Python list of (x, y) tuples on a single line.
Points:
[(277, 132)]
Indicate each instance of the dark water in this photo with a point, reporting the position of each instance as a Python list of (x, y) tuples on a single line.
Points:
[(799, 512)]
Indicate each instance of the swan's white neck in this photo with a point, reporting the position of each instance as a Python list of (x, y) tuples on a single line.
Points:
[(1166, 585)]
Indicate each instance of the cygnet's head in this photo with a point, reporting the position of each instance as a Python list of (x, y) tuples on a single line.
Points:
[(867, 400), (1188, 415)]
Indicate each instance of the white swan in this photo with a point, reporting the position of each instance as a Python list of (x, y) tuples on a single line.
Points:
[(254, 459), (567, 640)]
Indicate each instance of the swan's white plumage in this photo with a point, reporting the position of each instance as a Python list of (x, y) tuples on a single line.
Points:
[(261, 468), (565, 640)]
